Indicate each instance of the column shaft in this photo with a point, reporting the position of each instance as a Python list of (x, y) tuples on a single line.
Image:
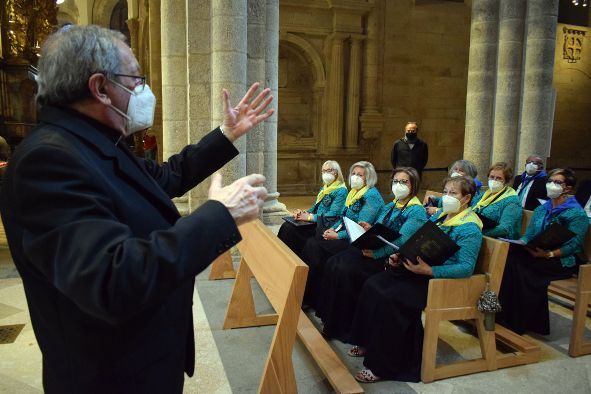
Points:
[(481, 83), (537, 105), (352, 134), (335, 99), (508, 87), (155, 68)]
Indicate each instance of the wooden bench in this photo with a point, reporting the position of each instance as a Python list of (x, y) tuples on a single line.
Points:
[(282, 277), (577, 290), (456, 299)]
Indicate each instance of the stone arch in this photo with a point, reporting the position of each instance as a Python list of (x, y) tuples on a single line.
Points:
[(101, 12), (309, 53)]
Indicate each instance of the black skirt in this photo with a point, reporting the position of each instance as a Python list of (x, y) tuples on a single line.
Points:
[(388, 325), (524, 291), (295, 237), (315, 254), (344, 276)]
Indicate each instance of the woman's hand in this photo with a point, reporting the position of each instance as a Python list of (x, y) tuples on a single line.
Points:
[(367, 253), (366, 226), (421, 268), (427, 197), (537, 252), (330, 234), (296, 213), (394, 260), (247, 113), (432, 210)]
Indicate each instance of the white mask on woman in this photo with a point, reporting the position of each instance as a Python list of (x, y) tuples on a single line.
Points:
[(455, 174), (495, 185), (327, 178), (356, 182), (450, 204), (400, 191), (553, 190)]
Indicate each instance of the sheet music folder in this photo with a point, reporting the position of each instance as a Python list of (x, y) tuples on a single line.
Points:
[(298, 223), (431, 243), (552, 237), (369, 239)]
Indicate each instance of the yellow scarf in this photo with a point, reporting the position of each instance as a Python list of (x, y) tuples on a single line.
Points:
[(355, 195), (488, 197), (413, 201), (466, 216), (329, 189)]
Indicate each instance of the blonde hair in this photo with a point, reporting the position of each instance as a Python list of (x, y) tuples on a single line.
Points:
[(335, 166), (371, 178)]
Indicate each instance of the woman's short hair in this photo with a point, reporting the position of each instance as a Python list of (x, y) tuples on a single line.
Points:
[(465, 183), (415, 180), (466, 166), (507, 171), (371, 178), (569, 176), (70, 56), (335, 166)]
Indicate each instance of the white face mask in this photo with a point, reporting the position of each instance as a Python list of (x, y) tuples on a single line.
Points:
[(140, 110), (356, 182), (400, 191), (531, 168), (553, 190), (327, 178), (455, 174), (450, 204), (495, 185)]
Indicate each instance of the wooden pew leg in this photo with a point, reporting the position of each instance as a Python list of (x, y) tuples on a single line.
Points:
[(430, 338), (241, 311), (578, 346), (488, 346), (222, 267)]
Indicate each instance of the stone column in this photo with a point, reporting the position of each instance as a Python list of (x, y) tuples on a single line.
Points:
[(508, 88), (352, 131), (174, 81), (155, 68), (537, 105), (336, 93), (481, 83), (228, 69), (133, 25)]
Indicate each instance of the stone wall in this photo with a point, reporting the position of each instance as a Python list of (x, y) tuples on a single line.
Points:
[(571, 145)]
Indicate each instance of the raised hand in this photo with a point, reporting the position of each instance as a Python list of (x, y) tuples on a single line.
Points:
[(247, 113), (244, 198)]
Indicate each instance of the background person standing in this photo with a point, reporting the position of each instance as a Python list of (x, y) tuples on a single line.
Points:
[(410, 151)]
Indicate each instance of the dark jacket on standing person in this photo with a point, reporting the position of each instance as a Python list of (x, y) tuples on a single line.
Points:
[(107, 262), (403, 156), (537, 190)]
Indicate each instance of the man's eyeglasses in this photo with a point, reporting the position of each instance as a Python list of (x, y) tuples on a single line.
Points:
[(140, 81), (538, 163)]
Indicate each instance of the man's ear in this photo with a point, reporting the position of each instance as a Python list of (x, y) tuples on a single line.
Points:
[(96, 86)]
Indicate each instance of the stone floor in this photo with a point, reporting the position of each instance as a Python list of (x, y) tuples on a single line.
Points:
[(232, 360)]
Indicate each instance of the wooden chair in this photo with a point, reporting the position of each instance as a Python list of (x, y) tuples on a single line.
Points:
[(577, 290), (282, 276), (456, 299)]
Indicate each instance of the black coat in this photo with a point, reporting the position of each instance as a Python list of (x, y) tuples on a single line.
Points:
[(107, 263), (403, 156), (583, 192), (537, 190)]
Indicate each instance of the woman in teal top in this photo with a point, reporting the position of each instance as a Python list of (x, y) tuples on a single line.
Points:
[(499, 207), (330, 202), (529, 271), (363, 204), (387, 327), (346, 271)]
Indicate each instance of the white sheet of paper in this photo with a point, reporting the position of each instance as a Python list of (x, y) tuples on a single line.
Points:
[(353, 229), (542, 201), (513, 241), (384, 240)]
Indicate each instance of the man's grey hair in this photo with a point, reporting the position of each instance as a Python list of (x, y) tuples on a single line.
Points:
[(335, 166), (371, 178), (466, 166), (70, 57)]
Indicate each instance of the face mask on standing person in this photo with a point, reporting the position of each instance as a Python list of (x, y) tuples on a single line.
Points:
[(140, 110)]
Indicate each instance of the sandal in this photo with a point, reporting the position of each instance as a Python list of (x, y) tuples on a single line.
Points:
[(366, 376), (356, 351)]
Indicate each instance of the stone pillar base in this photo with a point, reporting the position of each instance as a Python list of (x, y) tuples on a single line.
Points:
[(273, 210)]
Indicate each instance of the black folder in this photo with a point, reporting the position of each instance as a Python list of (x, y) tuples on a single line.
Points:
[(431, 243), (298, 223), (552, 237), (369, 239)]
